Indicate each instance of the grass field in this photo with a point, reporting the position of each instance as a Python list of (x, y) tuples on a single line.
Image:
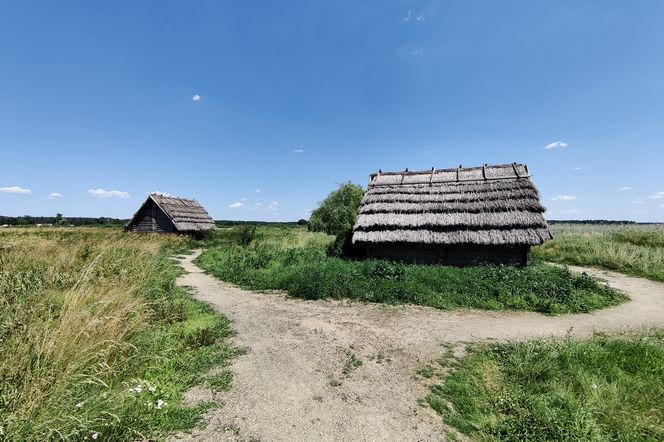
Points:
[(606, 388), (97, 341), (632, 249), (294, 260)]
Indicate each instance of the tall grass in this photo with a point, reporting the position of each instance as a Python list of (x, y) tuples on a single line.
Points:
[(634, 250), (607, 388), (96, 338), (274, 260)]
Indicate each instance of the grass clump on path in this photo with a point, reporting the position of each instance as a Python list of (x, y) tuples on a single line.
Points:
[(606, 388), (306, 271), (636, 250), (97, 340)]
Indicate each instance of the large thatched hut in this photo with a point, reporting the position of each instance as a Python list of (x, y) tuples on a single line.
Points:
[(169, 214), (454, 216)]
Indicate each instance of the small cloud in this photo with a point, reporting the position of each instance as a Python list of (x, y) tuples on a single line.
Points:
[(657, 196), (237, 205), (101, 193), (406, 19), (15, 190), (416, 52), (638, 201), (579, 167), (257, 191), (54, 196), (420, 17), (574, 212), (196, 98), (563, 198), (426, 152), (623, 189), (274, 205), (556, 145), (298, 151), (162, 193), (258, 204)]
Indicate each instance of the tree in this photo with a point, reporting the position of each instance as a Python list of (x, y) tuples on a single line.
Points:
[(336, 214), (60, 220)]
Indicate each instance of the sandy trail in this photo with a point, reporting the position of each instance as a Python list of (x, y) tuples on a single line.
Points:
[(291, 385)]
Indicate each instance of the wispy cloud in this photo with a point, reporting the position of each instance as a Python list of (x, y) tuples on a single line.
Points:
[(257, 191), (161, 193), (579, 167), (101, 193), (196, 98), (54, 196), (624, 188), (16, 190), (236, 205), (638, 201), (298, 151), (556, 145), (274, 205), (563, 198), (574, 212), (657, 196), (420, 17), (416, 52), (407, 17)]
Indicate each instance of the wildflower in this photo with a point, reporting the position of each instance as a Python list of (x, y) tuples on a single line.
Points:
[(161, 404), (152, 388), (95, 435), (594, 386), (136, 389), (80, 404), (149, 404)]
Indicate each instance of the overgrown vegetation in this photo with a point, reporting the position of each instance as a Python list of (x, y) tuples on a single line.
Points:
[(97, 341), (337, 213), (635, 249), (606, 388), (294, 260)]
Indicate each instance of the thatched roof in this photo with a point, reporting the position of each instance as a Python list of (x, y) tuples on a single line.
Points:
[(489, 205), (187, 215)]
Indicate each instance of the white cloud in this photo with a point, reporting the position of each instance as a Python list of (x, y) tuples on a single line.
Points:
[(298, 151), (574, 212), (258, 204), (101, 193), (416, 52), (257, 191), (236, 205), (196, 98), (16, 190), (657, 196), (407, 17), (420, 17), (579, 167), (563, 198), (274, 205), (638, 201), (161, 193), (556, 145), (54, 196), (624, 188)]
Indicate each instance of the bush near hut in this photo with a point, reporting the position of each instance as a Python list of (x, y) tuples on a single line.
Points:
[(337, 213), (296, 261), (97, 340)]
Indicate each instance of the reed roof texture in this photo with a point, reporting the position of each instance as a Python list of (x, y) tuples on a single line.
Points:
[(187, 215), (488, 205)]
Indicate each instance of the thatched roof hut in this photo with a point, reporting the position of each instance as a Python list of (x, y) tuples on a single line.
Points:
[(169, 214), (455, 216)]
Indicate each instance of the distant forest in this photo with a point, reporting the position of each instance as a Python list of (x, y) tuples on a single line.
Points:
[(60, 220)]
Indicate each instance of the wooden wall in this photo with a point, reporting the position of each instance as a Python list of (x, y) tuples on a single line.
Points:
[(458, 255), (152, 219)]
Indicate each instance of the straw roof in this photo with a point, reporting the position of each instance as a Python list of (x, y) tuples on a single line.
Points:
[(488, 205), (187, 215)]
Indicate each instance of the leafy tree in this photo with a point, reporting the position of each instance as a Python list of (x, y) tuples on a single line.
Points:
[(336, 214), (60, 220)]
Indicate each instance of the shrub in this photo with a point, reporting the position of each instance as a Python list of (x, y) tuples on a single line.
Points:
[(337, 213)]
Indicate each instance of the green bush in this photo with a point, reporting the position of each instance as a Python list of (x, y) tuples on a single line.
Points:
[(337, 213)]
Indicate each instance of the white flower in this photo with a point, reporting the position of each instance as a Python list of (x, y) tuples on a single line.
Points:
[(149, 404), (136, 389), (594, 386), (79, 405), (161, 404), (95, 435), (152, 388)]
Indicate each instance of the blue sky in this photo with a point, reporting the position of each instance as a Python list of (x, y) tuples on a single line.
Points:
[(259, 109)]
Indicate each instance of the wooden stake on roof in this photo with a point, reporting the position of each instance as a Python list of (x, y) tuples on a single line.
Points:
[(433, 170), (516, 172), (457, 172), (484, 171)]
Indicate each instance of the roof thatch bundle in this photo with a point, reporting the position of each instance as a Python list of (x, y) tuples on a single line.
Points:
[(489, 205), (181, 214)]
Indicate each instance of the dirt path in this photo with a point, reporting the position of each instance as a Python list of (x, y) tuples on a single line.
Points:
[(297, 380)]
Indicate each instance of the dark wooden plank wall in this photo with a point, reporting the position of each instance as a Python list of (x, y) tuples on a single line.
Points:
[(458, 255), (147, 222)]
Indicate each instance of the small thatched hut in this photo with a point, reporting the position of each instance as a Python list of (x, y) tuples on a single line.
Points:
[(454, 216), (169, 214)]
